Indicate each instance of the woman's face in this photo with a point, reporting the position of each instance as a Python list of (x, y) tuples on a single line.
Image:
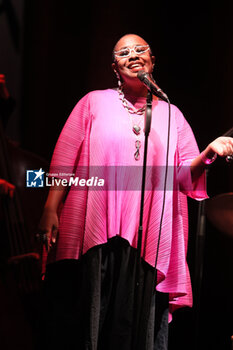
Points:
[(128, 67)]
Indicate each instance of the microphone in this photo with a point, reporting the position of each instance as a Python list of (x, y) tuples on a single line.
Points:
[(229, 159), (148, 81), (229, 133)]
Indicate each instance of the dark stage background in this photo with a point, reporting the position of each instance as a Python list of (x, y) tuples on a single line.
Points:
[(53, 52)]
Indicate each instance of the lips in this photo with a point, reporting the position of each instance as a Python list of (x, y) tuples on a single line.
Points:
[(135, 66)]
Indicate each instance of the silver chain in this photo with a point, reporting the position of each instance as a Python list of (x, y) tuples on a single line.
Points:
[(130, 109)]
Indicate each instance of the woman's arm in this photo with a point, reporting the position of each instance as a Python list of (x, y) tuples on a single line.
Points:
[(49, 221), (222, 146), (64, 160)]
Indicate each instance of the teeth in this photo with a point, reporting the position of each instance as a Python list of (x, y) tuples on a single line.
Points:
[(135, 65)]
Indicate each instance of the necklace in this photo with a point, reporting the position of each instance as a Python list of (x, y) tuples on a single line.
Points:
[(136, 128), (130, 109)]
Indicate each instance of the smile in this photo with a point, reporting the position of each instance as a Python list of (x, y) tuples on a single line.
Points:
[(135, 66)]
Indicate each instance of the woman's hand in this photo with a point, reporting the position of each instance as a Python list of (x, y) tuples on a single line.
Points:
[(48, 228), (222, 146)]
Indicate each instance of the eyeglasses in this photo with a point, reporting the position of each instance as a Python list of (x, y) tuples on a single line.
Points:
[(126, 52)]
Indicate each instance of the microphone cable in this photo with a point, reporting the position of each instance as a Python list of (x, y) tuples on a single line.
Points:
[(165, 184)]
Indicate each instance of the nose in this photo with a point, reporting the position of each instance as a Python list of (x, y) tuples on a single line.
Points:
[(133, 55)]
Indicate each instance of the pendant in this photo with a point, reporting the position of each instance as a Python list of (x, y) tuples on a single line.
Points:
[(136, 129), (137, 154)]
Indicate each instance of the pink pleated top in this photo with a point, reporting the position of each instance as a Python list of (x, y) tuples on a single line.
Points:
[(97, 141)]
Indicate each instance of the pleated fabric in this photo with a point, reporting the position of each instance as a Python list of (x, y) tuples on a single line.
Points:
[(97, 142)]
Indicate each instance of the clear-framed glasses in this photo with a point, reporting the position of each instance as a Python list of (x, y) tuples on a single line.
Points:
[(126, 52)]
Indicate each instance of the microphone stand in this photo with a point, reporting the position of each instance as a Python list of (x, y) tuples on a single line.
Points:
[(199, 252), (147, 131), (138, 286), (199, 263)]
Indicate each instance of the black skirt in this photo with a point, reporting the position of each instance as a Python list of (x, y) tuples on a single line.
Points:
[(93, 304)]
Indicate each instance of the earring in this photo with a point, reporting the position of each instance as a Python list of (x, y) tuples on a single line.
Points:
[(118, 78)]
